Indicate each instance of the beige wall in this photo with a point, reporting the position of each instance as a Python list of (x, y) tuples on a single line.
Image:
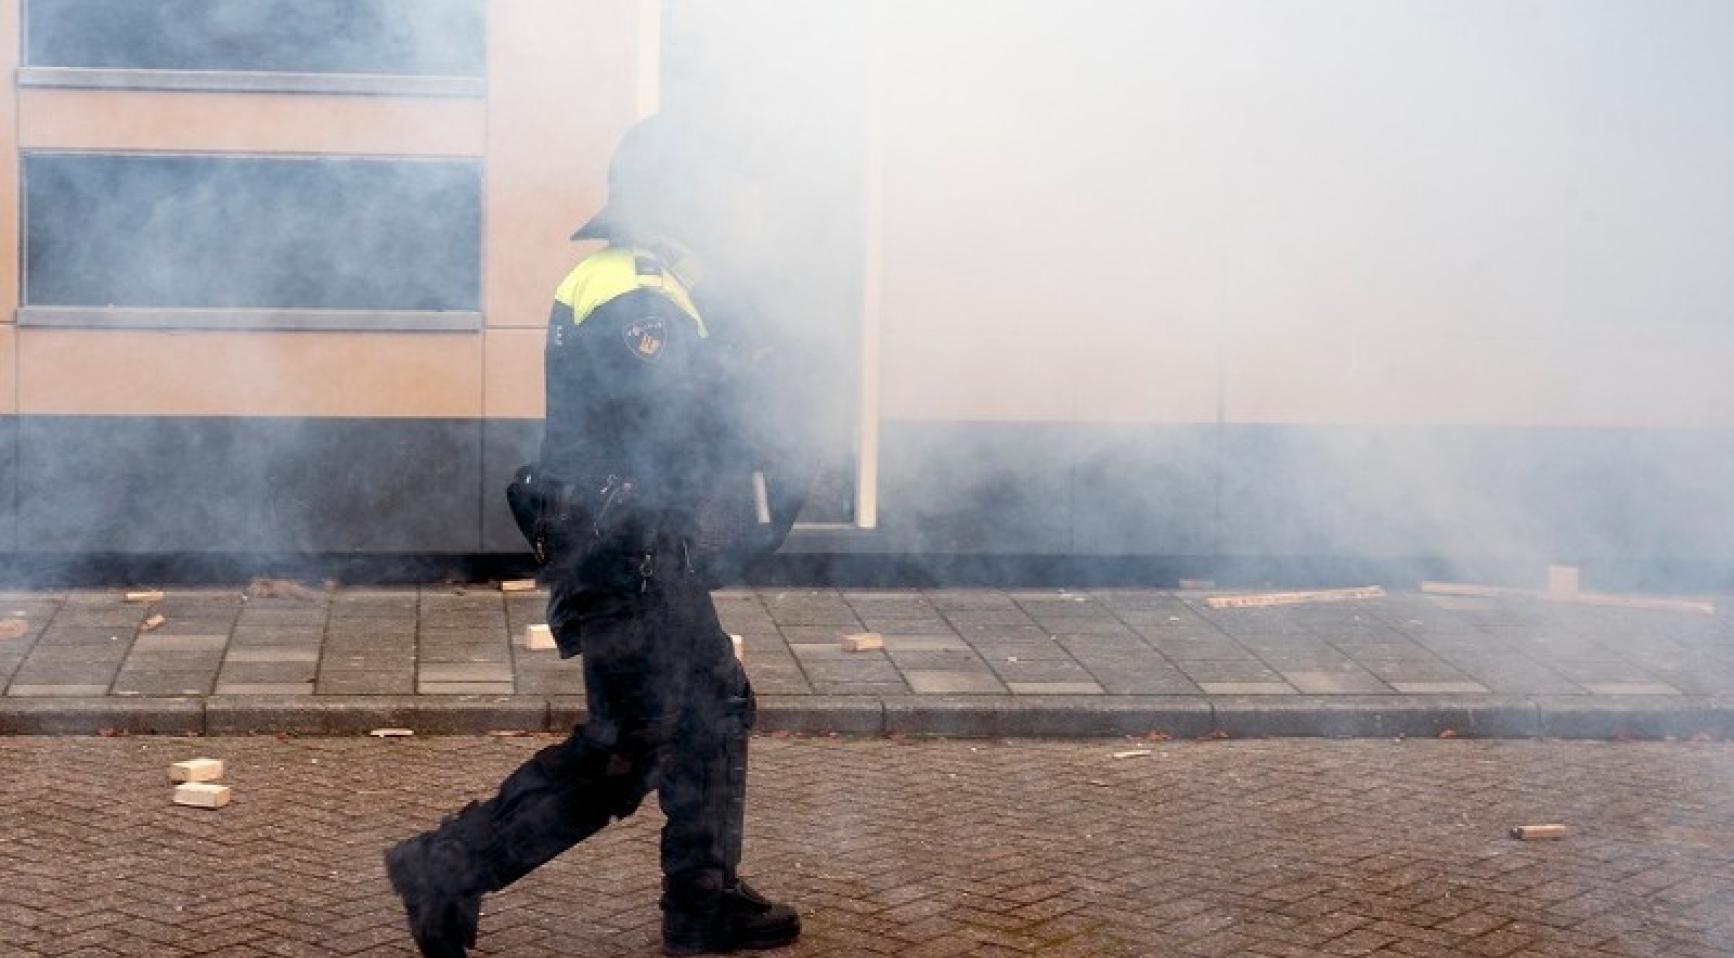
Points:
[(1339, 213), (563, 83)]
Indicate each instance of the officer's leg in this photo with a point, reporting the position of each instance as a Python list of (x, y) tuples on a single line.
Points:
[(563, 794), (703, 792)]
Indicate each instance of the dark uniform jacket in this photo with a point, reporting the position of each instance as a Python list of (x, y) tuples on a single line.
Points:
[(643, 390)]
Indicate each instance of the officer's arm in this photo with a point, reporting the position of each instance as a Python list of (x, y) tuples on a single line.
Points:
[(563, 437)]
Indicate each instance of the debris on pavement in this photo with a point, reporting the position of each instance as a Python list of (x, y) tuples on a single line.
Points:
[(201, 795), (392, 733), (148, 595), (156, 621), (510, 733), (740, 644), (863, 642), (1293, 598), (280, 589), (538, 638), (14, 628), (196, 770), (1134, 753), (1651, 602), (518, 585), (1538, 833)]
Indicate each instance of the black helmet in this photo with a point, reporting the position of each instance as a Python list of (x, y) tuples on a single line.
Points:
[(650, 179)]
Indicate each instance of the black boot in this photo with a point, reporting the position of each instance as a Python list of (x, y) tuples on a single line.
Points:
[(553, 801), (436, 875), (730, 920)]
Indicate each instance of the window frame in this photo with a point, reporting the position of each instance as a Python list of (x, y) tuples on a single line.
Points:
[(262, 319)]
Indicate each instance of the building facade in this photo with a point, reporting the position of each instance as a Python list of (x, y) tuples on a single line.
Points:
[(280, 274)]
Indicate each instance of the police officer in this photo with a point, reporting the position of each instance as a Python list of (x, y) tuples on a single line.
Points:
[(645, 491)]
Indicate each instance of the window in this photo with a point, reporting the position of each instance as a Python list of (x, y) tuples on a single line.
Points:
[(398, 37), (156, 232)]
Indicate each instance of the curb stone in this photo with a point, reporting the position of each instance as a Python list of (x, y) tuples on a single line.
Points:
[(1650, 717), (810, 714), (1374, 716), (92, 716), (1647, 717)]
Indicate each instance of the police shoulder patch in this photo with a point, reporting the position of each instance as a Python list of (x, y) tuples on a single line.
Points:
[(646, 338)]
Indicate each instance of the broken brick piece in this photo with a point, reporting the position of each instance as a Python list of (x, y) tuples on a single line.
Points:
[(196, 770), (202, 795), (863, 642)]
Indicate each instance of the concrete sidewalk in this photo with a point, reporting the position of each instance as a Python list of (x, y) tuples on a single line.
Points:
[(960, 662)]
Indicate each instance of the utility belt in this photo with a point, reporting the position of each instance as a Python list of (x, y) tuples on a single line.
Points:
[(591, 529)]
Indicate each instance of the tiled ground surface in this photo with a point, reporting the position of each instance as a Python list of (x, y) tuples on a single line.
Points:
[(916, 849), (448, 640)]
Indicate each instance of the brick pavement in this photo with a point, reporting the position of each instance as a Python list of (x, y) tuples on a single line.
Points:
[(1042, 650), (912, 848)]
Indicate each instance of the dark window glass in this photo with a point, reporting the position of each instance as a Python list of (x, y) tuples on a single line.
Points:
[(415, 37), (245, 232)]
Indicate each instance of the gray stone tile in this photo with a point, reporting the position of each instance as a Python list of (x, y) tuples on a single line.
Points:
[(244, 636), (382, 662), (163, 683), (64, 674), (1054, 688), (195, 661), (274, 654), (861, 688), (1335, 682), (82, 635), (249, 673), (1202, 672), (875, 670), (1041, 671), (35, 690), (1247, 688), (930, 625), (951, 660), (366, 683), (941, 682), (110, 654), (925, 643), (1631, 688), (154, 642), (1167, 681), (464, 688), (264, 688), (549, 683), (464, 672), (1464, 687)]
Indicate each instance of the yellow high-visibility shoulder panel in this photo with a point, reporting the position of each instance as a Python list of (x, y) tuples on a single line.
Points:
[(613, 272)]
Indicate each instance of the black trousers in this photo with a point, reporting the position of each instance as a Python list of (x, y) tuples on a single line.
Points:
[(670, 710)]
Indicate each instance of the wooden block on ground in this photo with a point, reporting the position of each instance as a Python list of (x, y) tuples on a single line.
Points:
[(196, 770), (1293, 598), (153, 623), (1562, 580), (863, 642), (1538, 833), (201, 795), (149, 595), (392, 733), (518, 585), (539, 638), (1470, 589), (1653, 602)]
